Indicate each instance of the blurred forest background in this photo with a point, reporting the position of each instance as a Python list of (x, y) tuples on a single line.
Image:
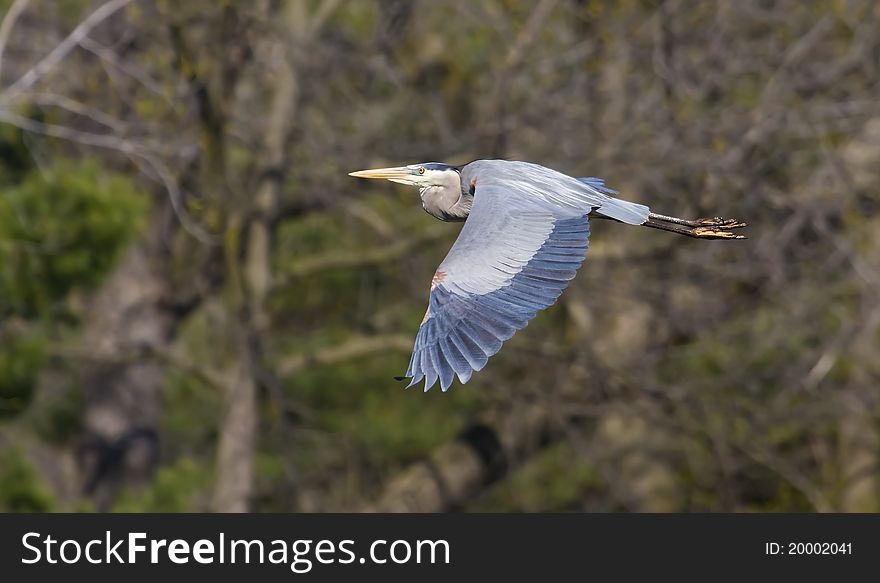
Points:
[(200, 310)]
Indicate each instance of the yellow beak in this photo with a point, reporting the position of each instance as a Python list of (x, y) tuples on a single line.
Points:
[(383, 173)]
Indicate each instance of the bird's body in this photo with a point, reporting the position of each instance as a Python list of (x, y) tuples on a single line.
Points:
[(526, 233)]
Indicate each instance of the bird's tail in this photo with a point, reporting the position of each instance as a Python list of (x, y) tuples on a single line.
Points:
[(624, 211)]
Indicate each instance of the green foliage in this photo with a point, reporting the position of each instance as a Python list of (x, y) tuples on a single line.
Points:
[(20, 360), (14, 158), (558, 479), (354, 399), (20, 488), (58, 419), (191, 411), (61, 229), (177, 487)]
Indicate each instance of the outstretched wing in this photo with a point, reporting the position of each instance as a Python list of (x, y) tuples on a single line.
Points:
[(525, 238)]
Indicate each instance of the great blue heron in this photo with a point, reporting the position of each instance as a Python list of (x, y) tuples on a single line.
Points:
[(525, 236)]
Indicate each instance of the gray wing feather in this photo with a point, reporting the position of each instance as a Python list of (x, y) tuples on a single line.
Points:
[(598, 184), (622, 210)]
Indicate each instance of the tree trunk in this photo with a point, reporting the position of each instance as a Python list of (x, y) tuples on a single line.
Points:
[(122, 381), (251, 283)]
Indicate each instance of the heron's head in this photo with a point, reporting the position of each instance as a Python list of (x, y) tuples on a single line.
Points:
[(426, 175), (439, 187)]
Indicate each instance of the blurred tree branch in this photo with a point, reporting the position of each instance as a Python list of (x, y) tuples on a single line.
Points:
[(6, 26), (60, 52), (351, 348), (362, 258)]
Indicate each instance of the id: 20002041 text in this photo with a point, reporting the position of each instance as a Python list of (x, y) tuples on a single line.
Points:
[(809, 548)]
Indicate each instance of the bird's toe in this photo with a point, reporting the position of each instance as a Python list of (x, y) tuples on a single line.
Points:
[(716, 233), (720, 222)]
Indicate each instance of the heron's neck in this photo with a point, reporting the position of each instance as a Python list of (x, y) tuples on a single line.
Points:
[(446, 203)]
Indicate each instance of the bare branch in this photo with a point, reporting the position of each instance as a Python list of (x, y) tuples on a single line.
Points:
[(364, 257), (110, 57), (364, 213), (354, 348), (60, 52), (189, 367), (323, 12), (78, 108), (527, 35), (107, 141), (9, 20), (176, 198)]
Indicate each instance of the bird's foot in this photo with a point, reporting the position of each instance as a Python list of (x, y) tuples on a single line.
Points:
[(720, 222), (713, 233), (709, 228), (717, 228)]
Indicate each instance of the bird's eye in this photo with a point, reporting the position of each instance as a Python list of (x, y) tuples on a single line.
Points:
[(421, 169)]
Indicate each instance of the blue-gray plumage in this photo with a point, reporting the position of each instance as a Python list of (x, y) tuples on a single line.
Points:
[(526, 234)]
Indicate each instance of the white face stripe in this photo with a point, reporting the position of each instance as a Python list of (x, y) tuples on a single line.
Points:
[(434, 177)]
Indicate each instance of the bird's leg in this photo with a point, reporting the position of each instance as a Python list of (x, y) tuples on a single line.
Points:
[(710, 228), (711, 222)]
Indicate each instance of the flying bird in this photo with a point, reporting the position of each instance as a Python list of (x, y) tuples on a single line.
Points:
[(525, 235)]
